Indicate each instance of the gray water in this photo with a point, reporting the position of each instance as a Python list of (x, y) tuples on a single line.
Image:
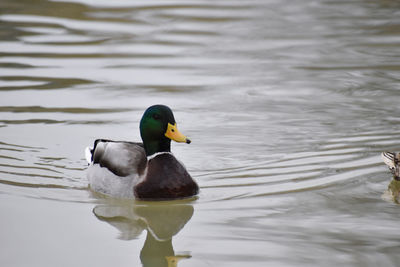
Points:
[(288, 105)]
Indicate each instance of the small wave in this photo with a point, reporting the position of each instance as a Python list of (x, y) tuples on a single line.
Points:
[(27, 167), (337, 161)]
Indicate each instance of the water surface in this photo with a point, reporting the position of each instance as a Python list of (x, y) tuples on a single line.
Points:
[(288, 105)]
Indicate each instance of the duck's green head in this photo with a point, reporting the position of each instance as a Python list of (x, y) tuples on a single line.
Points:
[(158, 128)]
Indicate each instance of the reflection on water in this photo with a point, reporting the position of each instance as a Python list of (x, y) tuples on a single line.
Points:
[(288, 104), (393, 192), (161, 220)]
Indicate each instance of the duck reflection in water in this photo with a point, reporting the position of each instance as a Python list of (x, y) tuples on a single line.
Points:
[(392, 159), (162, 220)]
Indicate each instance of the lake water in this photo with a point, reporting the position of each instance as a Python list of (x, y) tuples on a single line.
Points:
[(288, 105)]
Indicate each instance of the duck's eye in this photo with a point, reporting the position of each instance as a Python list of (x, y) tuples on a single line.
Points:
[(156, 116)]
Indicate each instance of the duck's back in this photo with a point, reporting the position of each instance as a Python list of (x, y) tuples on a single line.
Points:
[(166, 178)]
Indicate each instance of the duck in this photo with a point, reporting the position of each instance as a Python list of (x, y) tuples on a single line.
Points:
[(144, 170), (392, 159)]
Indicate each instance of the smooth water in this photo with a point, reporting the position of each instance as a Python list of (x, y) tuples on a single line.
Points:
[(288, 105)]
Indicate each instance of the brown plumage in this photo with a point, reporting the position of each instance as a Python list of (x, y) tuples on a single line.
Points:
[(160, 181)]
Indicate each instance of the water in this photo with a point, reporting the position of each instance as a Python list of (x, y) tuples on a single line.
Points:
[(288, 105)]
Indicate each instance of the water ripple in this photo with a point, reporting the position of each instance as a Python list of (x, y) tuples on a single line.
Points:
[(337, 161), (20, 171), (72, 110)]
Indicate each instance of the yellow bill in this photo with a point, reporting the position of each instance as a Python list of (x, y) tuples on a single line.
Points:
[(173, 134)]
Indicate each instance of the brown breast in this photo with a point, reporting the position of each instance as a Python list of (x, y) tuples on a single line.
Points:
[(166, 178)]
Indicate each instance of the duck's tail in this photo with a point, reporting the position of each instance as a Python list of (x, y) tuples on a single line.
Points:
[(389, 159), (89, 154)]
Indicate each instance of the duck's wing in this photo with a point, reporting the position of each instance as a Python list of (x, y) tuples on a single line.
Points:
[(120, 157)]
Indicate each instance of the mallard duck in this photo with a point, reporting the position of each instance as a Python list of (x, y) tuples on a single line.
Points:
[(145, 170), (392, 160)]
